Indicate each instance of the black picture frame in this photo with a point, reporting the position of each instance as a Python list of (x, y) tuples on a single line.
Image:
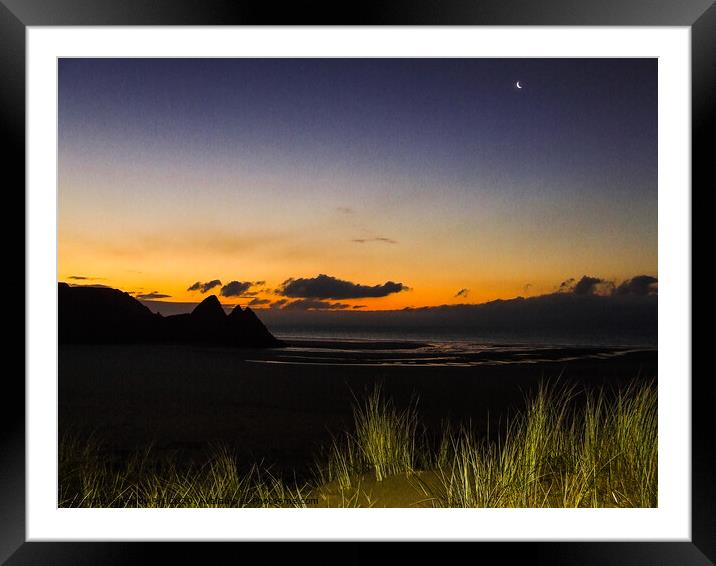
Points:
[(17, 15)]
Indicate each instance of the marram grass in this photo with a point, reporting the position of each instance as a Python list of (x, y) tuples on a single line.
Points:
[(384, 442), (598, 452), (86, 480), (602, 453)]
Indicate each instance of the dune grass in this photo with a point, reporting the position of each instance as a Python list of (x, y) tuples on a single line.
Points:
[(557, 453), (564, 449), (384, 441), (88, 480)]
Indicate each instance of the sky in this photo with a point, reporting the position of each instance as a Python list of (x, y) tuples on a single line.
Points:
[(355, 183)]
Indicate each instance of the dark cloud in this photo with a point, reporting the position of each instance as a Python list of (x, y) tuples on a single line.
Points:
[(526, 288), (98, 285), (235, 288), (639, 285), (231, 289), (587, 285), (84, 278), (376, 239), (258, 302), (204, 287), (327, 287), (356, 307), (314, 304), (566, 286), (278, 304), (462, 293), (152, 295)]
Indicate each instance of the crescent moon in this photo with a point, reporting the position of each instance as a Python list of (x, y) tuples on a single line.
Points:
[(517, 84)]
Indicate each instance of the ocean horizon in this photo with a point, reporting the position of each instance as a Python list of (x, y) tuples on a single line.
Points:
[(463, 337)]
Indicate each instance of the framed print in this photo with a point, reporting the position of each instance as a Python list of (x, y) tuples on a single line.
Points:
[(425, 278)]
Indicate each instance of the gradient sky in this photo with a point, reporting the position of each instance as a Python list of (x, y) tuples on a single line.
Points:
[(435, 173)]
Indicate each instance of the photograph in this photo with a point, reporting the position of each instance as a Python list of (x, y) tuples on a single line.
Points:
[(372, 282)]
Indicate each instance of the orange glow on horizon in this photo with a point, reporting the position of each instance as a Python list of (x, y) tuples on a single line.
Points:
[(434, 275)]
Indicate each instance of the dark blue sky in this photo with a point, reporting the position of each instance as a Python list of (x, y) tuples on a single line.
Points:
[(452, 118)]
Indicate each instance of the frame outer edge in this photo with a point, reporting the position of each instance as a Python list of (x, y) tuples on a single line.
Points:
[(703, 93), (12, 415), (12, 100)]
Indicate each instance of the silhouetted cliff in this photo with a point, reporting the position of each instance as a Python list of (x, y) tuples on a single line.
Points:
[(104, 315)]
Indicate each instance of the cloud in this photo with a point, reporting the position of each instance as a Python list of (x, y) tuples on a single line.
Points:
[(566, 286), (231, 289), (526, 288), (639, 285), (327, 287), (204, 287), (313, 304), (462, 293), (152, 295), (278, 304), (258, 302), (376, 239), (84, 278), (235, 288), (587, 285), (345, 209)]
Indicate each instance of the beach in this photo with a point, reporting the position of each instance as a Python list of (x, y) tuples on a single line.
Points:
[(280, 406)]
